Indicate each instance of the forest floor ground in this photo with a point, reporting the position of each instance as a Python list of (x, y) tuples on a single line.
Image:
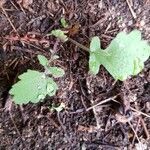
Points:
[(24, 25)]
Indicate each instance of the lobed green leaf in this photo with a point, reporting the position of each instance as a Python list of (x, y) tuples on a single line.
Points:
[(60, 34), (56, 71), (43, 60), (64, 23), (32, 87), (125, 56)]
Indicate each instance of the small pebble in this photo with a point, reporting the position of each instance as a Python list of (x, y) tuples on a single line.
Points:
[(147, 106), (130, 22), (123, 25), (142, 23)]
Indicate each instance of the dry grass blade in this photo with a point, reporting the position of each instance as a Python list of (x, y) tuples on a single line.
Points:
[(145, 128), (79, 45), (131, 10), (137, 126), (5, 13), (134, 131), (139, 112), (102, 102)]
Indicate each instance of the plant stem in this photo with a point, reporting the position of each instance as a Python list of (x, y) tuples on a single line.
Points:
[(79, 45)]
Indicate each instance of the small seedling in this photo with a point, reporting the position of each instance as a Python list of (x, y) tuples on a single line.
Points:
[(64, 23), (34, 86), (60, 34), (125, 56)]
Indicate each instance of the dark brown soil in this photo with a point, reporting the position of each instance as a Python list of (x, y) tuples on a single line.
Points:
[(36, 126)]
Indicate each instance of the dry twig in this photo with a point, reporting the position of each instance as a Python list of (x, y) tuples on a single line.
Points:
[(137, 126), (134, 131), (5, 13), (131, 10), (102, 102)]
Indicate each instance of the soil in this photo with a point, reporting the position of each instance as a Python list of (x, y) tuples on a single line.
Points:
[(24, 25)]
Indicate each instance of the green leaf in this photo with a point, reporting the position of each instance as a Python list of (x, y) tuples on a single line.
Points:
[(32, 87), (60, 34), (125, 56), (51, 87), (95, 44), (43, 60), (56, 71), (94, 63), (64, 23)]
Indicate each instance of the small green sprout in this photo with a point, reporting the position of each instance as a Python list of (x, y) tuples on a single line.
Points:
[(34, 86), (60, 34), (64, 23)]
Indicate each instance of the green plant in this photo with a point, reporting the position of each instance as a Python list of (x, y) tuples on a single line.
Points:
[(64, 23), (125, 56), (34, 85), (60, 34)]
